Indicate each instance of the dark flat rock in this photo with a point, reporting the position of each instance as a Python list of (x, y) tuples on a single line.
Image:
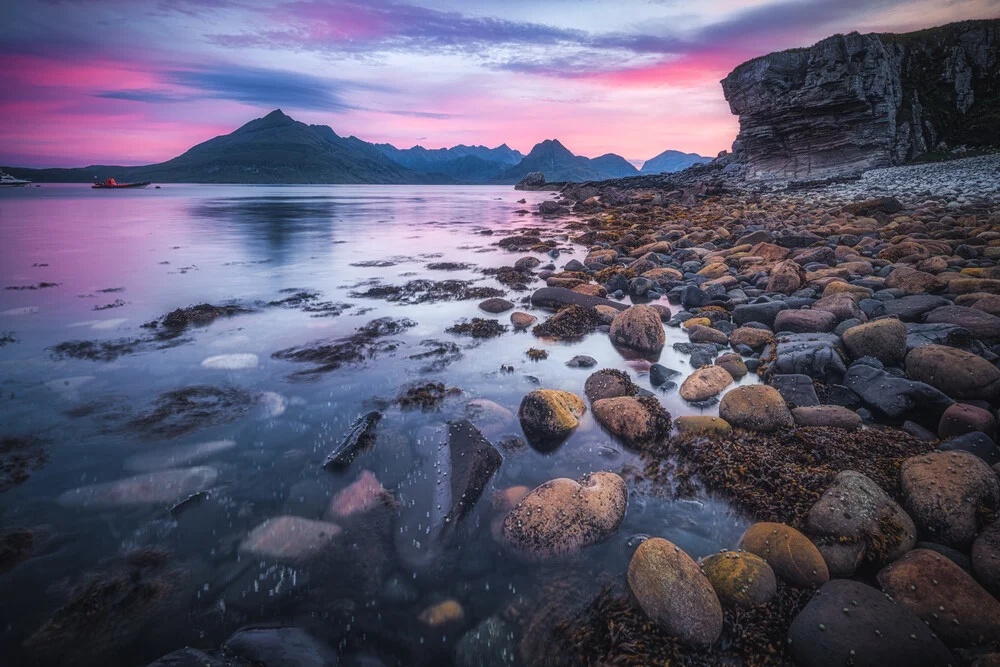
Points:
[(555, 298)]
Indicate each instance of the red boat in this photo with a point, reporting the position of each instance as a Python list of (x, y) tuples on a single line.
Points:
[(111, 183)]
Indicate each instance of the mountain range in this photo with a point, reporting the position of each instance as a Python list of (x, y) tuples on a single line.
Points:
[(669, 161), (279, 149)]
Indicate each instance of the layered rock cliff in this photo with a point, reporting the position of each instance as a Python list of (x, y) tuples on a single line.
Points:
[(855, 102)]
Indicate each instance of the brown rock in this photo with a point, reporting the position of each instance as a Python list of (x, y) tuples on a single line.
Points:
[(290, 539), (702, 425), (789, 553), (986, 558), (751, 337), (635, 421), (733, 363), (786, 277), (740, 579), (914, 282), (957, 373), (361, 496), (943, 595), (960, 419), (883, 339), (805, 321), (674, 593), (442, 613), (756, 408), (609, 383), (836, 416), (705, 382), (638, 328), (521, 320), (843, 306), (699, 333)]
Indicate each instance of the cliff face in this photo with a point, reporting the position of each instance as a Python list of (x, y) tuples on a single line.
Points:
[(855, 102)]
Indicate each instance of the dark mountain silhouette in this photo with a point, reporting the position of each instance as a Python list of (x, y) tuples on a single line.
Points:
[(615, 166), (468, 164), (669, 161), (557, 163)]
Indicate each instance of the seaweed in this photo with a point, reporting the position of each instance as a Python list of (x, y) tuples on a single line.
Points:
[(22, 288), (478, 327), (441, 353), (14, 548), (427, 396), (186, 410), (536, 355), (8, 337), (117, 303), (511, 277), (19, 456), (200, 315), (329, 355), (449, 266), (428, 291), (571, 323)]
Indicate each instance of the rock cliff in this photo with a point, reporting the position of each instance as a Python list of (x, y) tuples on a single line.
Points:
[(855, 102)]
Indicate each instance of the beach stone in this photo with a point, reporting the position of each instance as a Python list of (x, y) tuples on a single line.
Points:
[(281, 647), (496, 305), (911, 281), (976, 443), (855, 520), (884, 340), (943, 493), (758, 312), (827, 415), (527, 263), (843, 306), (751, 337), (960, 419), (702, 425), (161, 487), (363, 495), (798, 390), (555, 298), (705, 382), (634, 421), (442, 613), (521, 320), (979, 322), (912, 308), (659, 375), (941, 593), (482, 411), (562, 516), (548, 416), (986, 558), (873, 632), (489, 644), (740, 579), (671, 589), (699, 333), (582, 361), (639, 328), (786, 277), (805, 321), (895, 398), (792, 556), (957, 373), (609, 383), (733, 363), (756, 408), (290, 539)]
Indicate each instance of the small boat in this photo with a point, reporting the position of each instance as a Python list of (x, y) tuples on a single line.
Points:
[(8, 181), (112, 184)]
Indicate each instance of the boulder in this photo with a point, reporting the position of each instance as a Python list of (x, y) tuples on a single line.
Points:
[(702, 334), (751, 337), (705, 382), (827, 415), (562, 516), (740, 579), (674, 593), (805, 321), (522, 321), (280, 647), (943, 595), (979, 322), (945, 492), (986, 558), (634, 421), (815, 355), (789, 553), (758, 312), (960, 419), (609, 383), (290, 539), (976, 443), (843, 306), (733, 363), (363, 495), (855, 520), (496, 305), (911, 281), (786, 277), (756, 408), (850, 623), (912, 308), (884, 340), (556, 298), (957, 373), (896, 398), (548, 416), (639, 328), (797, 390)]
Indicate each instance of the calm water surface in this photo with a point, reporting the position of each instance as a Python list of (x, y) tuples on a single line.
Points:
[(121, 259)]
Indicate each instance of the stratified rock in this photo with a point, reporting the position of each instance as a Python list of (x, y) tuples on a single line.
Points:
[(562, 516), (845, 104), (789, 553), (944, 493), (849, 623), (944, 596), (705, 382), (855, 520), (548, 416), (959, 374), (639, 328), (986, 558), (635, 421), (674, 592), (884, 340), (281, 647), (756, 408), (740, 579)]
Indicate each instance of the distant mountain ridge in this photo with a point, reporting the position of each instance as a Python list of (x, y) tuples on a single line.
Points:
[(279, 149), (670, 161)]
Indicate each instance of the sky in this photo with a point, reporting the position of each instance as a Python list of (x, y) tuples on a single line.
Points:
[(140, 81)]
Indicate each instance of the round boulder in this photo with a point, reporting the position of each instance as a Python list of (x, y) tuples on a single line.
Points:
[(671, 589), (496, 305), (635, 421), (756, 408), (521, 320), (789, 553), (609, 383), (740, 579), (705, 382), (548, 416), (957, 373), (751, 337), (562, 516), (944, 493), (639, 328), (849, 623), (884, 340), (986, 558)]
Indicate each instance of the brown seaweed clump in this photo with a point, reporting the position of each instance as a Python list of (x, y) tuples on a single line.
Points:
[(19, 456), (570, 323), (604, 275), (478, 327), (426, 397), (329, 355), (201, 315), (186, 410), (536, 355), (428, 291), (613, 630), (511, 277), (779, 476)]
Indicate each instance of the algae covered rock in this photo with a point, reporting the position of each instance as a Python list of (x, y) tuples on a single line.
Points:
[(791, 555), (740, 579), (635, 421), (755, 408), (639, 328), (548, 416)]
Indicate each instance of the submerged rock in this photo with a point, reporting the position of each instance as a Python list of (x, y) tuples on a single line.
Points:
[(290, 539), (164, 487), (281, 647)]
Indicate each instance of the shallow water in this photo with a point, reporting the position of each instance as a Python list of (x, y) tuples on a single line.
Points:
[(121, 259)]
